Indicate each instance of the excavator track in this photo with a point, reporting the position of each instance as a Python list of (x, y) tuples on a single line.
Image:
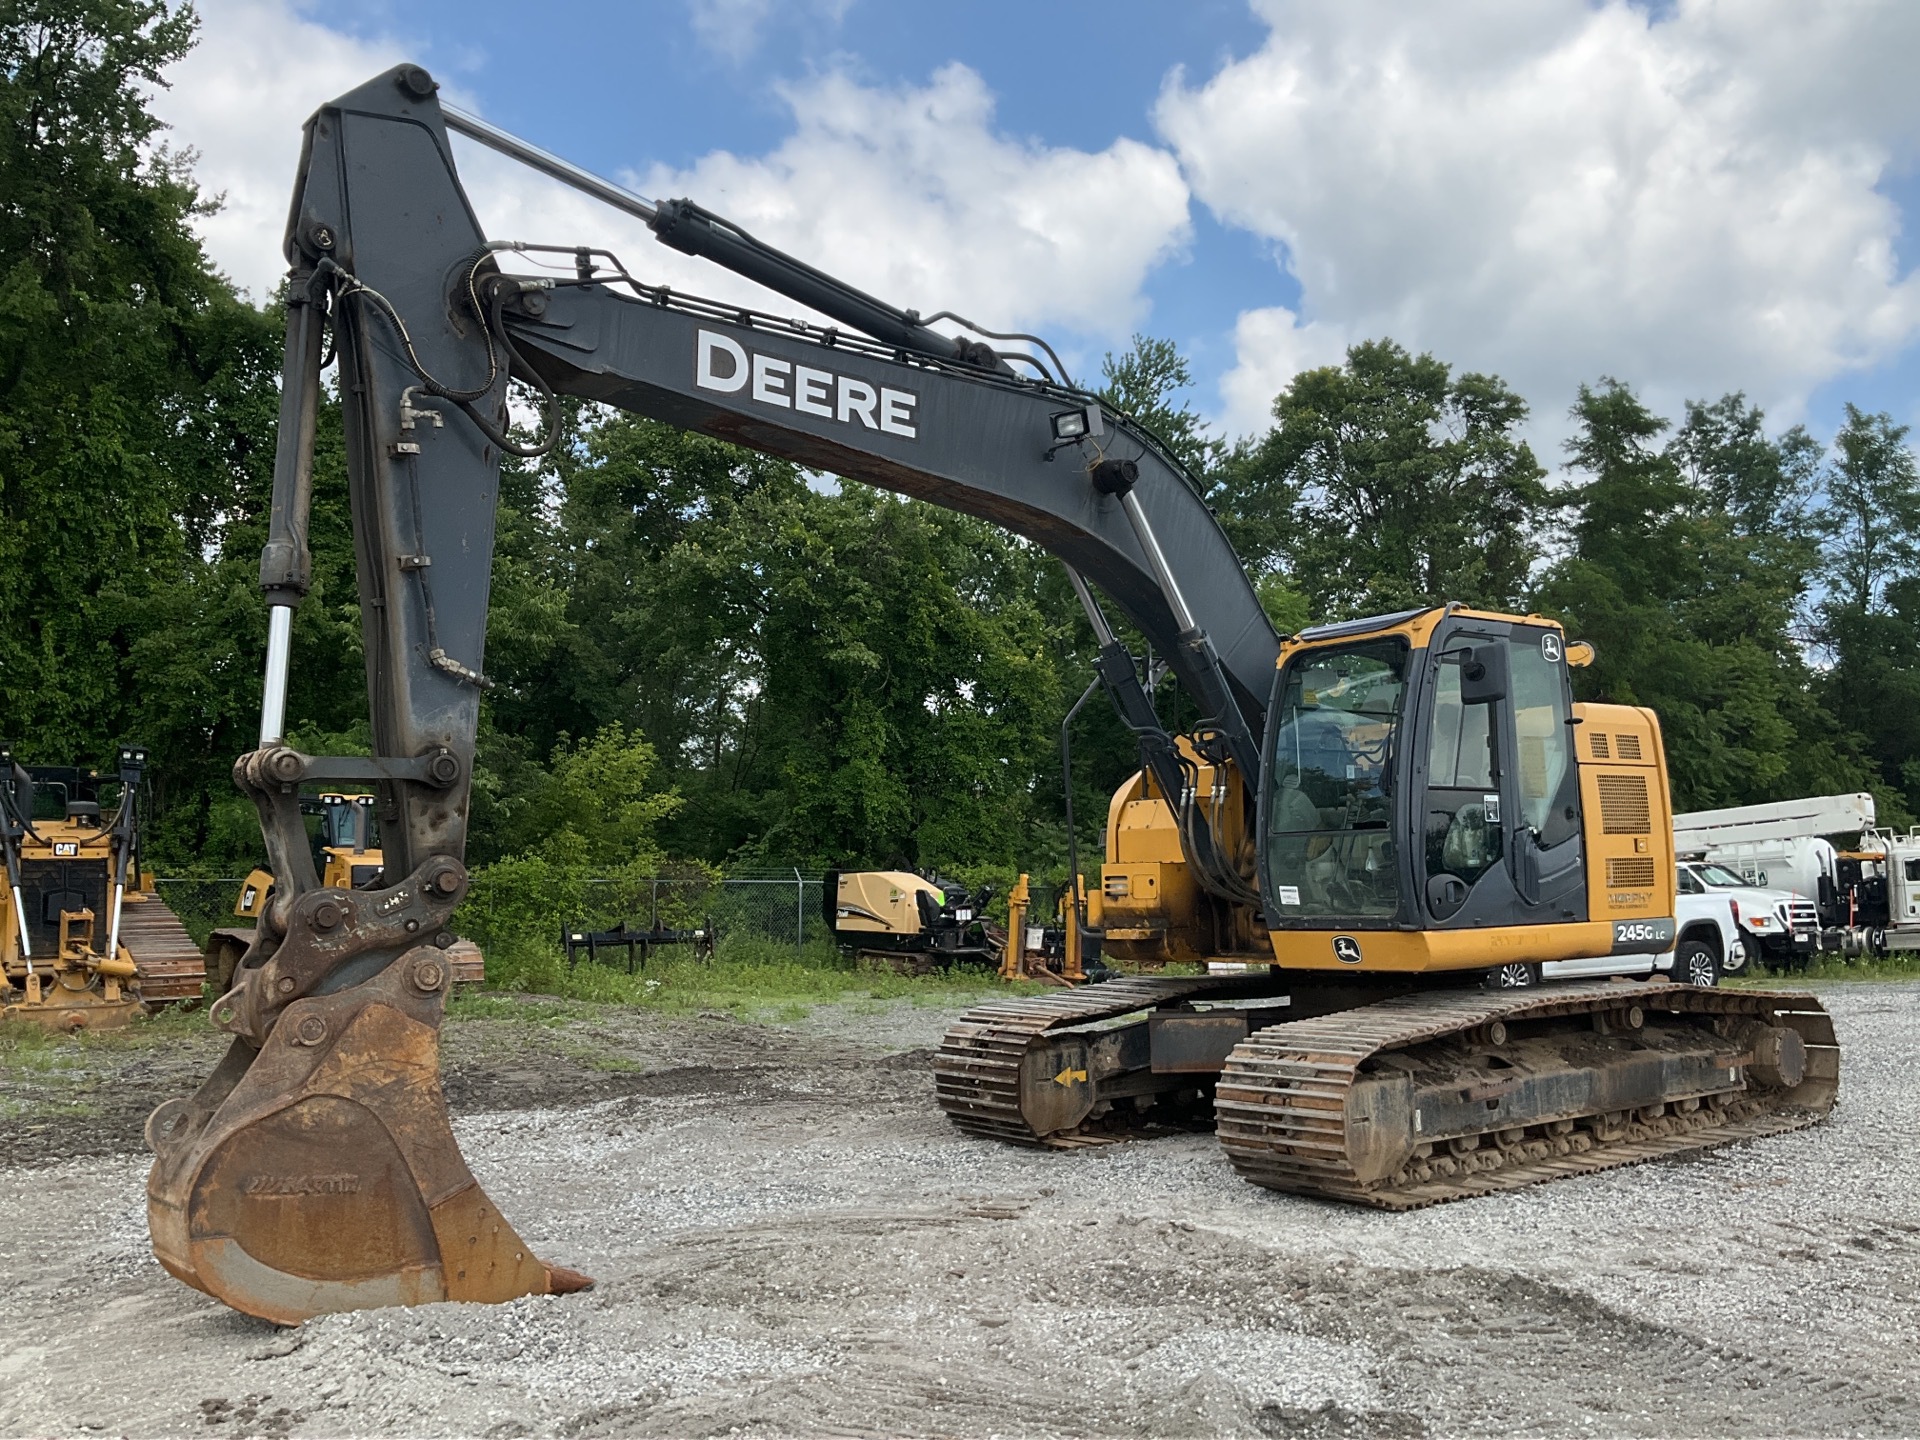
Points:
[(978, 1069), (1420, 1099), (169, 967), (1517, 1089)]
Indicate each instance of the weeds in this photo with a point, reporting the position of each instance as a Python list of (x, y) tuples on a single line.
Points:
[(748, 976), (1904, 966)]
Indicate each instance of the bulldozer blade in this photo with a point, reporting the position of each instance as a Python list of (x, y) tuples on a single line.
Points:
[(319, 1173)]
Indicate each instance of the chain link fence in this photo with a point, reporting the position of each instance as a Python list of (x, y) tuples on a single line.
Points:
[(781, 904), (202, 905)]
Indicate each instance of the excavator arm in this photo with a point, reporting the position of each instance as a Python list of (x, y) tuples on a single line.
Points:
[(315, 1169)]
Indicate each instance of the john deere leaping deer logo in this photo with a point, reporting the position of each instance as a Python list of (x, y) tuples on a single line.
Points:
[(1346, 949)]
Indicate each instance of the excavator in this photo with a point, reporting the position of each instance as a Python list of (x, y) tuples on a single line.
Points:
[(1371, 818)]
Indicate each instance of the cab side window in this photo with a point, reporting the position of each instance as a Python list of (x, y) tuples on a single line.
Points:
[(1544, 740)]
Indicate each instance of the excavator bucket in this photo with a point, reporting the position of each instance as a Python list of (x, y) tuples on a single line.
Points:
[(319, 1172)]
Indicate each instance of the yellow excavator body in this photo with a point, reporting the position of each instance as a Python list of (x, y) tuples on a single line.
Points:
[(1153, 913), (1435, 820)]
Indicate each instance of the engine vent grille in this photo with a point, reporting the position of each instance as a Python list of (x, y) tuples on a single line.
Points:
[(1600, 750), (50, 886), (1628, 746), (1631, 872), (1623, 805)]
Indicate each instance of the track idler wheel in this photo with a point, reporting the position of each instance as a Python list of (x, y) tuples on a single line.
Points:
[(319, 1173)]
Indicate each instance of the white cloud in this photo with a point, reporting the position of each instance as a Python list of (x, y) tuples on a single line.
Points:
[(239, 99), (1556, 190), (1270, 347), (912, 195), (909, 193)]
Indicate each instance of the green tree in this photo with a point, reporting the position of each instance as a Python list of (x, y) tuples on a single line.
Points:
[(1869, 623), (1389, 482), (1690, 595), (136, 417), (1148, 384), (1873, 510), (827, 675), (596, 806)]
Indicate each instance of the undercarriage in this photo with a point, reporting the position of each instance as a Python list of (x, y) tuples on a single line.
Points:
[(1406, 1100)]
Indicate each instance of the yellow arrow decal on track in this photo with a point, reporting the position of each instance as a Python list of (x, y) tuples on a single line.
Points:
[(1069, 1076)]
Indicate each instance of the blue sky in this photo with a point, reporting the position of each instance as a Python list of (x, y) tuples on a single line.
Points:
[(1715, 196)]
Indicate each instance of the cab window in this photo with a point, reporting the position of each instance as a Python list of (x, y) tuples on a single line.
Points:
[(1543, 738), (1330, 848)]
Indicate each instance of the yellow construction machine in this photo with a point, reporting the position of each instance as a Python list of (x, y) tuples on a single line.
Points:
[(85, 942), (1437, 828), (1371, 820), (910, 922)]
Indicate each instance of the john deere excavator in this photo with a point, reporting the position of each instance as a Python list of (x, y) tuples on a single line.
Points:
[(1372, 817), (86, 943)]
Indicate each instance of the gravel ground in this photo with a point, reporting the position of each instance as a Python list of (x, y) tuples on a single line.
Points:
[(788, 1240)]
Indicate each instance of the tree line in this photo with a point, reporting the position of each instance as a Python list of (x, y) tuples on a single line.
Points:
[(706, 654)]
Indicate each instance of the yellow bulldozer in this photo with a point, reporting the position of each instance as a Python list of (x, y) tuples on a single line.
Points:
[(346, 853), (86, 943)]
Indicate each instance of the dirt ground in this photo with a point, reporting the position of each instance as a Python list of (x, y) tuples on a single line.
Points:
[(789, 1240)]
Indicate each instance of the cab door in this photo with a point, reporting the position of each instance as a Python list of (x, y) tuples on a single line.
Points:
[(1499, 798), (1547, 857)]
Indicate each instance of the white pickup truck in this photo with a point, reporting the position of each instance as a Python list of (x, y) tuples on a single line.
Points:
[(1706, 945), (1777, 925)]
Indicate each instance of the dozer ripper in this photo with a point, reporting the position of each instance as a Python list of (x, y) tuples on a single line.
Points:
[(85, 942), (1327, 834)]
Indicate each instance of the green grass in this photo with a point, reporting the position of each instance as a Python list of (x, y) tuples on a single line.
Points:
[(756, 979), (1879, 967), (30, 1049)]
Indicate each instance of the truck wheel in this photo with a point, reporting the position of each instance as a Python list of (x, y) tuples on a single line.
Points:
[(1694, 963), (1512, 976)]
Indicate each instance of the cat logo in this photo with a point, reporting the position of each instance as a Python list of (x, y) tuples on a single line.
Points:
[(1346, 949), (64, 848)]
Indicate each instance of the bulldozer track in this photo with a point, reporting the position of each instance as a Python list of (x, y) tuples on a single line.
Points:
[(1282, 1109), (976, 1071), (168, 965), (1281, 1104)]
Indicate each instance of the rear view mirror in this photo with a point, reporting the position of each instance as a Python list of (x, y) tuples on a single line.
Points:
[(1580, 653), (1484, 674)]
